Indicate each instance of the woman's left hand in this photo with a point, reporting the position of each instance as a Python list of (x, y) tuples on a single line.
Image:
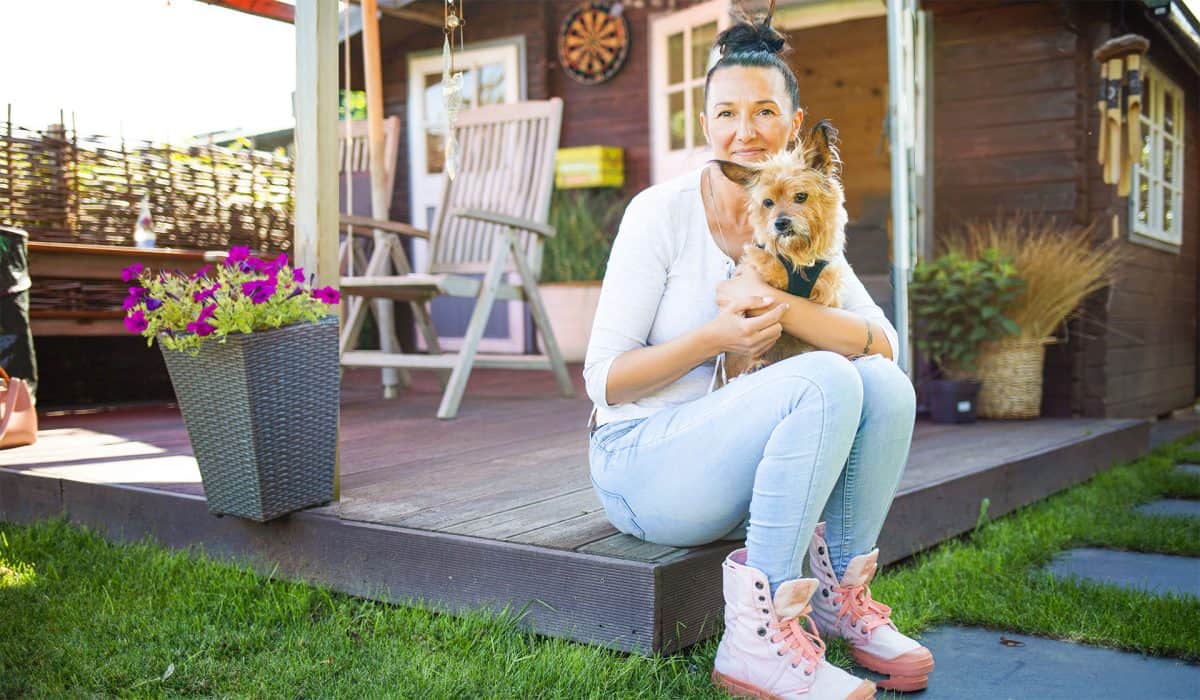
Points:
[(746, 282)]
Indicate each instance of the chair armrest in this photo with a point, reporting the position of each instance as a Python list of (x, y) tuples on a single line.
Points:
[(366, 222), (544, 230)]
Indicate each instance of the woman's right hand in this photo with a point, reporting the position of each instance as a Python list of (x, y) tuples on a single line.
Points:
[(732, 331)]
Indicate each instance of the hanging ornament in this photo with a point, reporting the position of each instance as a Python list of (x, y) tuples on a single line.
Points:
[(452, 81)]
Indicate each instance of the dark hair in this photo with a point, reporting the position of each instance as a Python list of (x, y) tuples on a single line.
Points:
[(755, 44)]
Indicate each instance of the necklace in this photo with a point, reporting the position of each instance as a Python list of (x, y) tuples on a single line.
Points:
[(716, 214)]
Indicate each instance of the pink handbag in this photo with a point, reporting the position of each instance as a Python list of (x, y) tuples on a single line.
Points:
[(18, 419)]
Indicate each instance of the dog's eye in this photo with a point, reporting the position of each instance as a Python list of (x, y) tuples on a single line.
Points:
[(768, 203), (800, 197)]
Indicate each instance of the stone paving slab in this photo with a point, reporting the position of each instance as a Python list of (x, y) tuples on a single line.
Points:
[(1154, 573), (970, 662), (1171, 506), (1193, 469)]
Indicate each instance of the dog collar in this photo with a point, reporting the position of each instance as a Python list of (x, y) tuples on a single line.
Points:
[(801, 281)]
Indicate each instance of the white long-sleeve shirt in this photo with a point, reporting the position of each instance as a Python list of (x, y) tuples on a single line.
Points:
[(660, 283)]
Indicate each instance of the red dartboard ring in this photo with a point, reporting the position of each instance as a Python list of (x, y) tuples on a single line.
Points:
[(593, 44)]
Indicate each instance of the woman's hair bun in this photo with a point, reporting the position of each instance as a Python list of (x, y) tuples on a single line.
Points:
[(747, 34)]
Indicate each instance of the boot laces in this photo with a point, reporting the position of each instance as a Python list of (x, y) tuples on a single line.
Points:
[(863, 610), (806, 646)]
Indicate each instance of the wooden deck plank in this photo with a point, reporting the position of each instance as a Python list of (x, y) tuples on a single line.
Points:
[(432, 493), (515, 521)]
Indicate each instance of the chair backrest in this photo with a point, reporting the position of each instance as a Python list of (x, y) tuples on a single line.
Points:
[(506, 166), (354, 158)]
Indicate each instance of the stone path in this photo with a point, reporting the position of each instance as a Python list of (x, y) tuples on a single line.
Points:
[(970, 662), (1193, 469), (1171, 506), (1154, 573)]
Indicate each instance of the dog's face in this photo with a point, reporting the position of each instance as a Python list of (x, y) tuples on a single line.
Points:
[(796, 198)]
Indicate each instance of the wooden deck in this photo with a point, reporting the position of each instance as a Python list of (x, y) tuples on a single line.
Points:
[(495, 507)]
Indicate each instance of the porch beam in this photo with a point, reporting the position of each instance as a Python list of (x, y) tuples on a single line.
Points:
[(271, 9), (315, 105)]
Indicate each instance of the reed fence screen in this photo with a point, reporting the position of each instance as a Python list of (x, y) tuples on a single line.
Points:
[(63, 187)]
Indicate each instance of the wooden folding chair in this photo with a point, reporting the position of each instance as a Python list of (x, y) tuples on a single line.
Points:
[(354, 181), (492, 220)]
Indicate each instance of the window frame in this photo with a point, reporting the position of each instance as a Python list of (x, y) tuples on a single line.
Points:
[(1152, 233)]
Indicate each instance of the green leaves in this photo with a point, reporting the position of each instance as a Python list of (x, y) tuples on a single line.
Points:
[(585, 223), (957, 304)]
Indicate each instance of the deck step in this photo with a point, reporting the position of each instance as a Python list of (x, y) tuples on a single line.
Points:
[(378, 358)]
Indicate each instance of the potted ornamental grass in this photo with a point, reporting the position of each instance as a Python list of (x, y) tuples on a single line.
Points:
[(958, 305), (573, 263), (252, 352), (1060, 264)]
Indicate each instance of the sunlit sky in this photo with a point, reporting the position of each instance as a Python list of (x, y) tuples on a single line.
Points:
[(156, 69), (151, 69)]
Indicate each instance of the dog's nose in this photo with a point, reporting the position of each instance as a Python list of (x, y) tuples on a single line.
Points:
[(783, 225)]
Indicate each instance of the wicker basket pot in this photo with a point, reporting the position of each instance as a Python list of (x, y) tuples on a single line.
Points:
[(261, 411), (1011, 372)]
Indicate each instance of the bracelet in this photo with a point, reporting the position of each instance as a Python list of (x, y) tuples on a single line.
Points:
[(870, 337)]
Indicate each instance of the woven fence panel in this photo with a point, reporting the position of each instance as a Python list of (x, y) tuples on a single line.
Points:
[(63, 187)]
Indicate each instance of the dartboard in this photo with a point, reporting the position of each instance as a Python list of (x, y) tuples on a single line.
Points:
[(593, 42)]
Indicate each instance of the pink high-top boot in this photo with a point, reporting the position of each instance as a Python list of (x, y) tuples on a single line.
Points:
[(766, 652), (845, 609)]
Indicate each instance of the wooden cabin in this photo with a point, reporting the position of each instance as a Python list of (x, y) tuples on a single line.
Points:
[(1011, 124)]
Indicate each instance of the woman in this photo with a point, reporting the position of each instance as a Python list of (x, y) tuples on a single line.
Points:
[(815, 437)]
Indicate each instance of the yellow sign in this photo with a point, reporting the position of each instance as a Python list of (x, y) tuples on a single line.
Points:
[(589, 166)]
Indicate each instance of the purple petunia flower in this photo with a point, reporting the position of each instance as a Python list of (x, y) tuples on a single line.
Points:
[(137, 292), (136, 322), (131, 273), (205, 313), (205, 294), (152, 304), (201, 328), (282, 260), (201, 272), (259, 265), (298, 275), (237, 254), (129, 303), (329, 295), (259, 291)]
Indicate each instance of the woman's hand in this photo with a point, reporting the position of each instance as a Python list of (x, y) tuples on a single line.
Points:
[(746, 282), (734, 330)]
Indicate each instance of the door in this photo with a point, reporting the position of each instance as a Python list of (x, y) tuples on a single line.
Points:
[(679, 60), (492, 74)]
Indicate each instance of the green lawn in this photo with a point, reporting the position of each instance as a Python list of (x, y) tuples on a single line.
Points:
[(82, 617)]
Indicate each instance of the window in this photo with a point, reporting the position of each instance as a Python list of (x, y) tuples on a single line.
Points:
[(1156, 197), (680, 57)]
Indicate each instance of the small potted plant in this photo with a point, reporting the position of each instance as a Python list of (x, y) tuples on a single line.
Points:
[(573, 263), (252, 352), (957, 303)]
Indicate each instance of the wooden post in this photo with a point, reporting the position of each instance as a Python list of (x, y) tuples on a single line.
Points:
[(380, 196), (315, 105)]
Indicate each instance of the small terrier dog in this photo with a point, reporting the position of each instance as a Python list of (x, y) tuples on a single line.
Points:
[(796, 205)]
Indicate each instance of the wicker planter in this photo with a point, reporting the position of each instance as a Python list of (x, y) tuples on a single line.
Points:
[(1011, 371), (261, 411)]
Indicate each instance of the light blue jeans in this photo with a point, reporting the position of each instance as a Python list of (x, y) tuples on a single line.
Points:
[(765, 457)]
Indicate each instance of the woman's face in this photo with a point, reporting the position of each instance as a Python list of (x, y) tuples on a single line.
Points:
[(746, 118)]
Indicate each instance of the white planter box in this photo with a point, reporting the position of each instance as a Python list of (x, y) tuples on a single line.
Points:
[(571, 307)]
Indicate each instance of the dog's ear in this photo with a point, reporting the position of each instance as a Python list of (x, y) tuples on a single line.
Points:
[(741, 174), (822, 148)]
